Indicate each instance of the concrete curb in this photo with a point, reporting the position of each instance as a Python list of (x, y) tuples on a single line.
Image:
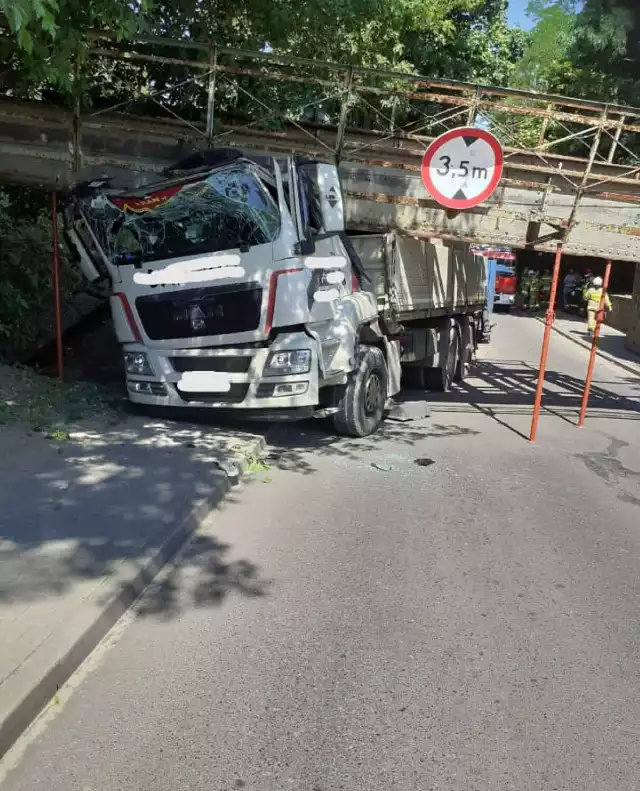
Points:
[(605, 355), (83, 638)]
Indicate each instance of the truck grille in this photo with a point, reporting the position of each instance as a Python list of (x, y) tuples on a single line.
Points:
[(197, 312), (229, 365), (235, 395)]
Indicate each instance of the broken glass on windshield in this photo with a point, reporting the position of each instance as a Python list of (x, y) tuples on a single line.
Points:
[(226, 210)]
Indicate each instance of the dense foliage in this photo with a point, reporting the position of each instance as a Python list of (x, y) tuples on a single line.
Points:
[(589, 49), (26, 306), (469, 39)]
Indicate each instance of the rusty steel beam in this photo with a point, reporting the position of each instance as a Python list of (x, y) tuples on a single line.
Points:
[(422, 80), (427, 96), (585, 178)]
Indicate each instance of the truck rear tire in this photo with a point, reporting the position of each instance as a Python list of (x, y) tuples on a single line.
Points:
[(365, 395)]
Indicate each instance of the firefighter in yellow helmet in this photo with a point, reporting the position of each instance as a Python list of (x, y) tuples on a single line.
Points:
[(545, 288), (593, 295)]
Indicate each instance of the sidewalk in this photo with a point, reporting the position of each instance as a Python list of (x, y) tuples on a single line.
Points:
[(87, 517), (611, 343)]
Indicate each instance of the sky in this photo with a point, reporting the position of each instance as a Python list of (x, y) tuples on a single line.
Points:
[(516, 13)]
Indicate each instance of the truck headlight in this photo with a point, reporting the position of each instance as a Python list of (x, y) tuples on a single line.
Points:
[(137, 363), (283, 363)]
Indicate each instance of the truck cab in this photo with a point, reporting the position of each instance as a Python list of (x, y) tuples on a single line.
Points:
[(234, 286)]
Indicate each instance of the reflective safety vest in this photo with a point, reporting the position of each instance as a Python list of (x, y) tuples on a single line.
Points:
[(593, 296)]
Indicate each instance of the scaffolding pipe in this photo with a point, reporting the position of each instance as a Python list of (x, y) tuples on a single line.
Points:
[(594, 346), (55, 265), (548, 326)]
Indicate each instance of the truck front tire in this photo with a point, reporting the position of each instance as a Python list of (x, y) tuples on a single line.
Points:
[(365, 395)]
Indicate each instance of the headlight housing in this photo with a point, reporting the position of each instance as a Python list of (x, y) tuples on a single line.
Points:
[(297, 361), (137, 363)]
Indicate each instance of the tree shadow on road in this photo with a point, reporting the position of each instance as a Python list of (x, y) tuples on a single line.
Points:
[(292, 449), (506, 389), (81, 517), (73, 512)]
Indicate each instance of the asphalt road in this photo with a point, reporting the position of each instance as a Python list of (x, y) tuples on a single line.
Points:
[(352, 619)]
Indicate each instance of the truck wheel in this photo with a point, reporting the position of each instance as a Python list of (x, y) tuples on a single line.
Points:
[(365, 396), (442, 377), (467, 347)]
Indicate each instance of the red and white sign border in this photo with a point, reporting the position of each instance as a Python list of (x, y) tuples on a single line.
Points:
[(436, 145)]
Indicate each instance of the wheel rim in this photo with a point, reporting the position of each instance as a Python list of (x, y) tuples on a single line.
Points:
[(452, 357), (372, 393)]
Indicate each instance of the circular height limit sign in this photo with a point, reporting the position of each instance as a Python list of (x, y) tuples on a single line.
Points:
[(463, 167)]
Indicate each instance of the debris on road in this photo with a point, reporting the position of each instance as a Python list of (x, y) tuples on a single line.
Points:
[(409, 411), (424, 462)]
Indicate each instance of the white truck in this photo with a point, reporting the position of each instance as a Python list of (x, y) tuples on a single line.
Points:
[(235, 286)]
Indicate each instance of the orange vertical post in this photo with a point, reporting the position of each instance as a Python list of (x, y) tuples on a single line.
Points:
[(594, 346), (550, 317), (55, 265)]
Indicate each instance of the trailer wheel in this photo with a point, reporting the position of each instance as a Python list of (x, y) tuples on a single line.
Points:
[(442, 377), (365, 395)]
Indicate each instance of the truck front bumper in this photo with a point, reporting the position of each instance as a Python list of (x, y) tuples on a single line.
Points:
[(224, 378)]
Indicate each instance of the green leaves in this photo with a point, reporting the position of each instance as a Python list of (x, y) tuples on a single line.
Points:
[(546, 64), (27, 17), (462, 38)]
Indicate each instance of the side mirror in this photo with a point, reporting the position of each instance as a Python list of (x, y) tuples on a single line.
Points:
[(329, 193)]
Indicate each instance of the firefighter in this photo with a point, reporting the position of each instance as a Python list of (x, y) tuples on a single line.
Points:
[(545, 288), (587, 282), (569, 283), (593, 295), (534, 290), (523, 291)]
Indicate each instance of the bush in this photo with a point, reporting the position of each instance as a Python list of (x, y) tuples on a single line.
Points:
[(26, 295)]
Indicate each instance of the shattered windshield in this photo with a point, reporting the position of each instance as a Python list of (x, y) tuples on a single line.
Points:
[(228, 209)]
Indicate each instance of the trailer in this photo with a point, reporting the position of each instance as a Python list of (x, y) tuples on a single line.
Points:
[(436, 291)]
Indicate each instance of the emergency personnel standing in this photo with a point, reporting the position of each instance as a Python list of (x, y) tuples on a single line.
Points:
[(569, 283), (593, 295), (523, 292), (534, 290), (585, 285), (545, 288)]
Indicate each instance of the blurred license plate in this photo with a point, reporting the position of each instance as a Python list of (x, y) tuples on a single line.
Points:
[(204, 382)]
